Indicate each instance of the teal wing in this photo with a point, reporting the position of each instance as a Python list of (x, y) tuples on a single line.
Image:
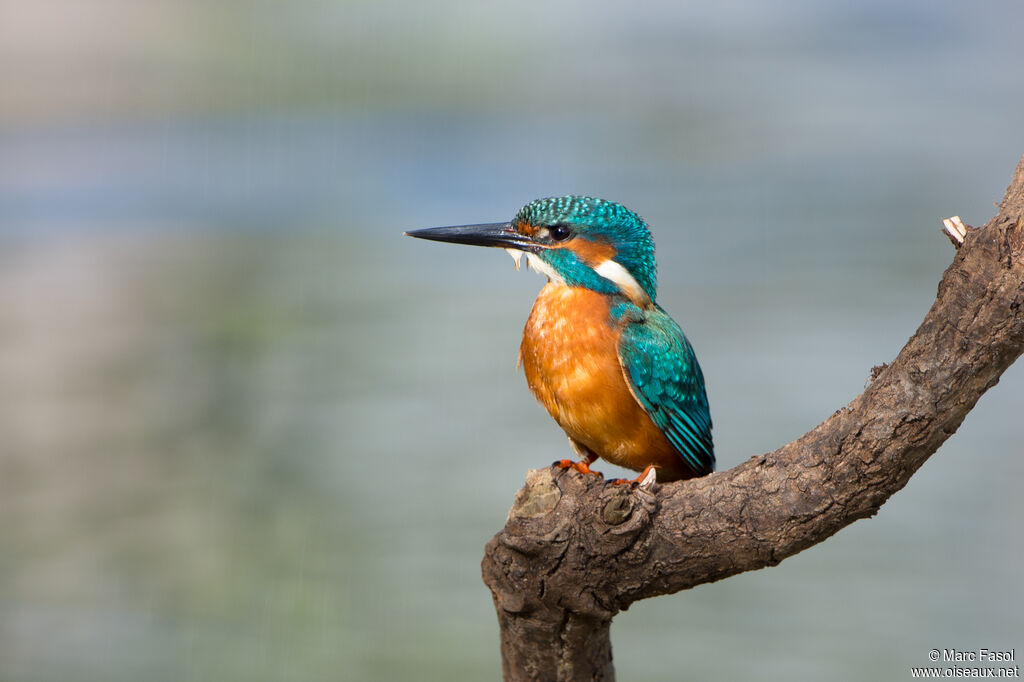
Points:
[(664, 376)]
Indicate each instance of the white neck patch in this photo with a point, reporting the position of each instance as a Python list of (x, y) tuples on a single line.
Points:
[(627, 284)]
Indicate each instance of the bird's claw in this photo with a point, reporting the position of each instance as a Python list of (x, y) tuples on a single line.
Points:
[(646, 480), (582, 467)]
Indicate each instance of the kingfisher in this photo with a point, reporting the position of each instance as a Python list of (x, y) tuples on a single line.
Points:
[(606, 361)]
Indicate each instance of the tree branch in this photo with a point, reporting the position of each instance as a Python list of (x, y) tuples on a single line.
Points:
[(575, 552)]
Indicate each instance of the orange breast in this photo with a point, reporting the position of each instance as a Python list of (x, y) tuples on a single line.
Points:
[(569, 354)]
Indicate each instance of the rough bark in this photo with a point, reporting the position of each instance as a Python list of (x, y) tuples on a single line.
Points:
[(574, 551)]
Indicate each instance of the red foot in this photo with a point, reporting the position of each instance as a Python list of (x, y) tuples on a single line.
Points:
[(638, 479), (582, 467)]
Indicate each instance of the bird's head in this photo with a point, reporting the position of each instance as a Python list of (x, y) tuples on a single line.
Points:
[(580, 241)]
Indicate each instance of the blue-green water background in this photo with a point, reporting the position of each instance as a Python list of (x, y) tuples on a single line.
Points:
[(248, 431)]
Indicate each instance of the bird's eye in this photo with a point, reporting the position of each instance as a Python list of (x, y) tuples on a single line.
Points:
[(560, 232)]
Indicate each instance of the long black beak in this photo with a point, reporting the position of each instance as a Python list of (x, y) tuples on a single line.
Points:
[(489, 234)]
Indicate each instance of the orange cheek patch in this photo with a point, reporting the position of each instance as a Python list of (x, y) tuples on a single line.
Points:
[(590, 252)]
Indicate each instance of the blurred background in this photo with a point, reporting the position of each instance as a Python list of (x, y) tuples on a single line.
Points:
[(249, 431)]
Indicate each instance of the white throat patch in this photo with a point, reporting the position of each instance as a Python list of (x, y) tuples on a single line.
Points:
[(517, 256), (540, 266), (627, 284)]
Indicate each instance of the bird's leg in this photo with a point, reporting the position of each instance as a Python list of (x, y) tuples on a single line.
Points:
[(586, 459), (646, 478)]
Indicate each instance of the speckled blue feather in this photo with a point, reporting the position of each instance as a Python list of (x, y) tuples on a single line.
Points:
[(667, 380)]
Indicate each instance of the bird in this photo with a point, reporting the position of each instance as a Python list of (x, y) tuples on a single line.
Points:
[(612, 368)]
